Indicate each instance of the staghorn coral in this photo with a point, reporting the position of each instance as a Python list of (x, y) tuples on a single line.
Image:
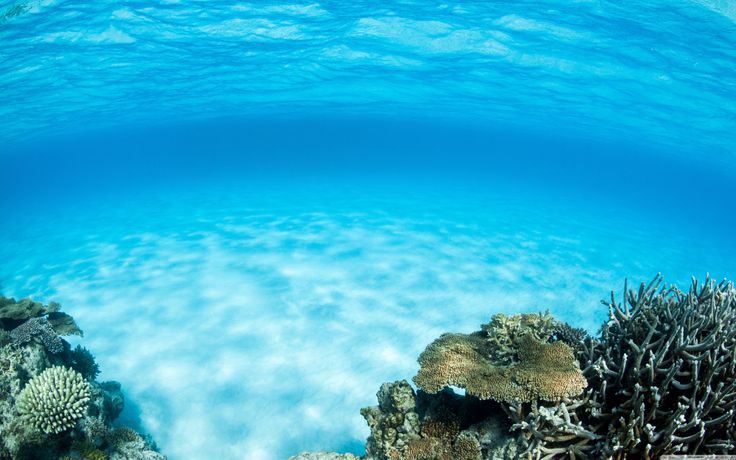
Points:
[(39, 330), (552, 431), (54, 400), (662, 380), (575, 337), (540, 370), (664, 371)]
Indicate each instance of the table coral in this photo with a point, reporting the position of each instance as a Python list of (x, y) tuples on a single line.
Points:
[(528, 368)]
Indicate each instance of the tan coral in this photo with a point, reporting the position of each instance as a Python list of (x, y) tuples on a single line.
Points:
[(542, 371), (464, 447), (504, 331), (548, 370), (440, 429), (456, 359)]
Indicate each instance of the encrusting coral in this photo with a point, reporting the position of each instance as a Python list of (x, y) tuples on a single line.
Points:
[(40, 330), (659, 379), (54, 400)]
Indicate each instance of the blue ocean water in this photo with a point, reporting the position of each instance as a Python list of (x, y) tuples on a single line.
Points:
[(259, 212)]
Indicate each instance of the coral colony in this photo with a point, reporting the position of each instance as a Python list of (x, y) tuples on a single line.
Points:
[(51, 406), (659, 379)]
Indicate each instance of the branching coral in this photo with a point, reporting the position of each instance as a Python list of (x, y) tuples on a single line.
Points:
[(54, 400), (664, 371), (662, 380), (575, 337)]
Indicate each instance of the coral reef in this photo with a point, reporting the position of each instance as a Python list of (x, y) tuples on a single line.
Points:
[(409, 425), (659, 379), (54, 400), (51, 406), (394, 423), (63, 324)]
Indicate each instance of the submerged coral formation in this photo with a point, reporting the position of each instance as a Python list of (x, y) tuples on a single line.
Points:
[(664, 371), (51, 406), (659, 379), (54, 400), (525, 369)]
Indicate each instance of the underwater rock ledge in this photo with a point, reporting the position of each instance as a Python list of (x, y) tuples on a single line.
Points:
[(51, 405), (660, 378)]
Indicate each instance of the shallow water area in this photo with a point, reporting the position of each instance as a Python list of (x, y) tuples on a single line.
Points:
[(259, 212), (257, 316)]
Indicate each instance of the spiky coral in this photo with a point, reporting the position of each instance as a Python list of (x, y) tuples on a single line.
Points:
[(664, 371), (662, 380), (54, 400)]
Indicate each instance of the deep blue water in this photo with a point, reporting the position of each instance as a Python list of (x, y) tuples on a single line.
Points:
[(259, 212)]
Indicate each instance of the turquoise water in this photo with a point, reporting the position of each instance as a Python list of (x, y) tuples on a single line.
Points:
[(259, 212)]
